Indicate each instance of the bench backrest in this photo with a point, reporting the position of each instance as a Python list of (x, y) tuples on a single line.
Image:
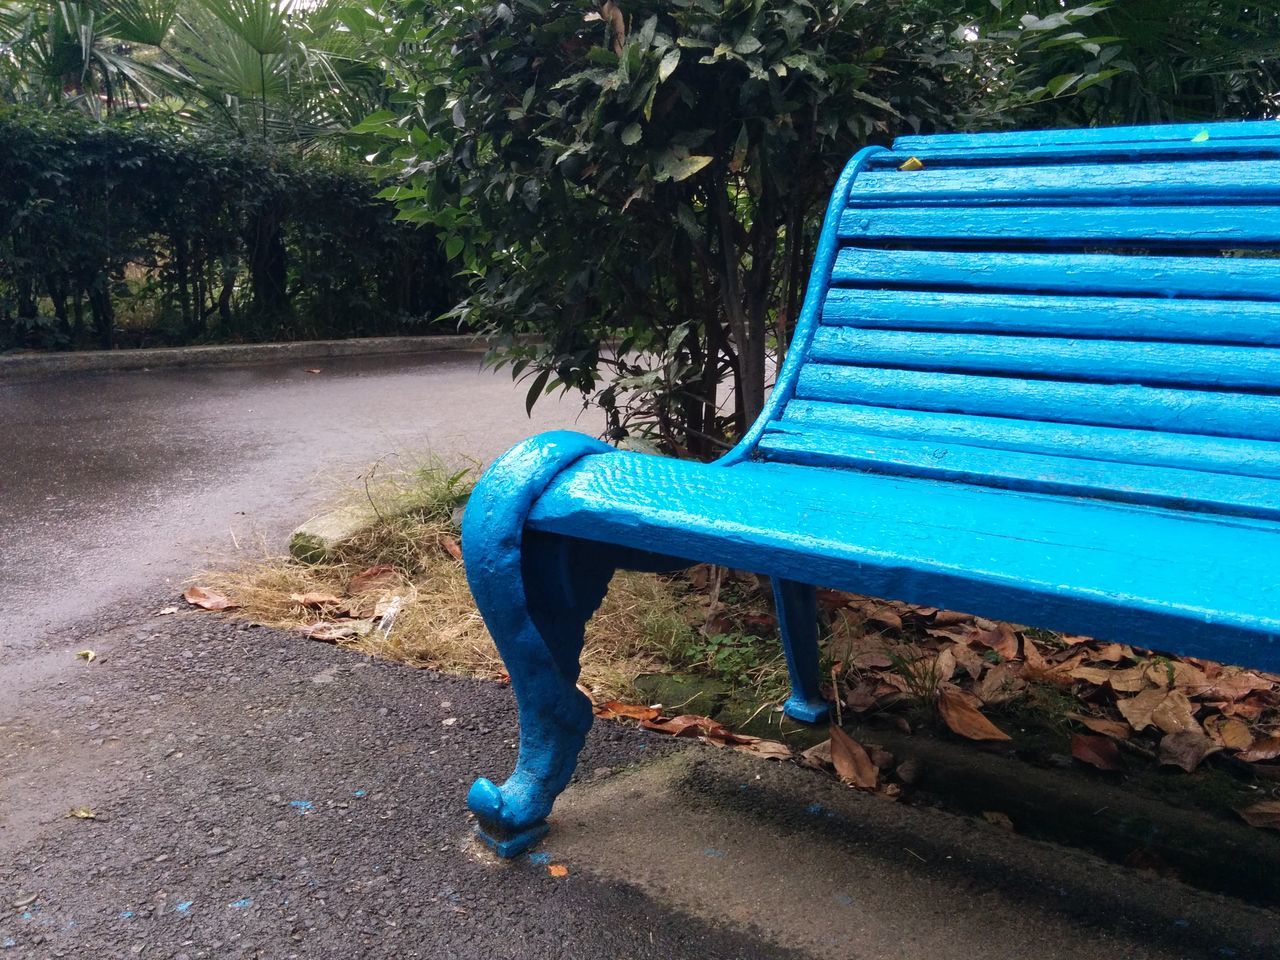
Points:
[(1095, 311)]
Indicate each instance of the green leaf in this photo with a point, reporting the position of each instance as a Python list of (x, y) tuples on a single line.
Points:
[(452, 247), (670, 61), (535, 391), (686, 167), (631, 135), (1061, 82)]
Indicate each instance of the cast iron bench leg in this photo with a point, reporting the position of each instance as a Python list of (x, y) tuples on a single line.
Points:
[(540, 638), (798, 621), (536, 592)]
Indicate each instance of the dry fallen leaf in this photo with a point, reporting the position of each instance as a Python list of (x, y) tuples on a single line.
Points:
[(616, 708), (1110, 728), (1108, 653), (1264, 749), (381, 577), (337, 631), (313, 369), (817, 757), (1000, 638), (853, 764), (1231, 732), (685, 725), (768, 749), (1122, 681), (88, 656), (1100, 752), (208, 599), (1170, 710), (167, 611), (1186, 749), (452, 548), (315, 601), (1232, 685), (999, 685), (965, 719), (1263, 814), (557, 870), (82, 813)]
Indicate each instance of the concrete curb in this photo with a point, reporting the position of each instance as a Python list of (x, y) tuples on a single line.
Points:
[(37, 365)]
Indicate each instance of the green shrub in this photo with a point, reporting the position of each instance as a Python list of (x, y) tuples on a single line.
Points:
[(136, 232)]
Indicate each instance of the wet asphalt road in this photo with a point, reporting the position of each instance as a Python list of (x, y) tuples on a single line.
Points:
[(261, 797), (112, 483)]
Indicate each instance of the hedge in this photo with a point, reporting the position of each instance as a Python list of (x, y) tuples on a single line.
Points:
[(140, 232)]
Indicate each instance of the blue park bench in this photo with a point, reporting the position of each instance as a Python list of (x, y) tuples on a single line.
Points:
[(1037, 377)]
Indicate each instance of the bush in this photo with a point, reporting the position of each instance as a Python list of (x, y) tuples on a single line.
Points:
[(137, 232)]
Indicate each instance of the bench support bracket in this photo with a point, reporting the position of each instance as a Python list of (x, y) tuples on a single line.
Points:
[(798, 620)]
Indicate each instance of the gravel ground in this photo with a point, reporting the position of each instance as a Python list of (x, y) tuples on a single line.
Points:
[(261, 796)]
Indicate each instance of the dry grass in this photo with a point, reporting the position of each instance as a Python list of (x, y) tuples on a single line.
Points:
[(414, 521)]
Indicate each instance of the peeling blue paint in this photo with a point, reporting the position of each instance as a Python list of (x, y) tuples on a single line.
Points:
[(303, 806), (184, 906), (814, 808), (126, 914), (8, 942), (541, 859), (242, 903), (360, 793)]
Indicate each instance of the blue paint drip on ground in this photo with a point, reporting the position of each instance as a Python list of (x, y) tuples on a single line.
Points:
[(713, 852), (303, 806), (8, 942), (541, 859), (360, 793), (126, 914), (813, 808), (242, 903), (30, 914), (184, 906)]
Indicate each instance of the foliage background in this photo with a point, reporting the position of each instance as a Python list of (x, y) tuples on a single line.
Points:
[(636, 184), (136, 231)]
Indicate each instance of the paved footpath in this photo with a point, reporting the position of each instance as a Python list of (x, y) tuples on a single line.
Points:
[(258, 795)]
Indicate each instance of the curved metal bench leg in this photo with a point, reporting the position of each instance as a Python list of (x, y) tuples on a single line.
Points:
[(798, 621), (539, 632)]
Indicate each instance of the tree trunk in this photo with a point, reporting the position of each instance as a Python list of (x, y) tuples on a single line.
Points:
[(268, 266), (104, 317)]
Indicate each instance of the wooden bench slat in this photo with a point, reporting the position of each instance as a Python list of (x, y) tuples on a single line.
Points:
[(1148, 137), (1118, 405), (1141, 575), (1256, 278), (1221, 227), (1192, 365), (1118, 152), (1198, 182), (1017, 470), (1232, 455), (1243, 322)]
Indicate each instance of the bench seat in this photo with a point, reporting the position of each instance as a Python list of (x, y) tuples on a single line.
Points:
[(1161, 578)]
